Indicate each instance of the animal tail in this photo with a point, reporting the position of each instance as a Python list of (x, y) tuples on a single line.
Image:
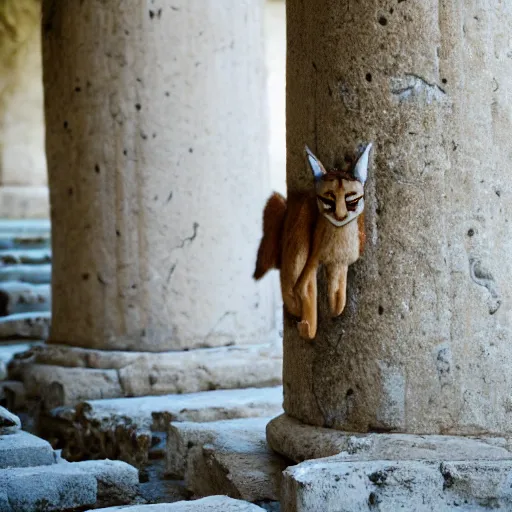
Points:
[(269, 252)]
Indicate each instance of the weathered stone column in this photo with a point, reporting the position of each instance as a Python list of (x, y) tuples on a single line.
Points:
[(23, 178), (157, 157), (423, 346)]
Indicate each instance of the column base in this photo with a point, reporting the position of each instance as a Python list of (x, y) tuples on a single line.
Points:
[(65, 375), (389, 472)]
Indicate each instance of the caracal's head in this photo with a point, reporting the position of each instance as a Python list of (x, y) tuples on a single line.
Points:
[(340, 193)]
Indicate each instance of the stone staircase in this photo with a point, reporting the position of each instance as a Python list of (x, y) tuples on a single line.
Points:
[(163, 449), (34, 478)]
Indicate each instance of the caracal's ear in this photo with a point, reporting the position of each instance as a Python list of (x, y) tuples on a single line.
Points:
[(315, 165), (361, 168)]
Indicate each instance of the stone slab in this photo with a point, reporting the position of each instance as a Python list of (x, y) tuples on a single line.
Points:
[(143, 373), (389, 486), (25, 326), (57, 487), (25, 257), (56, 385), (19, 297), (118, 482), (67, 485), (210, 504), (9, 422), (159, 411), (36, 274), (24, 241), (300, 442), (22, 449), (10, 348), (225, 457), (124, 428)]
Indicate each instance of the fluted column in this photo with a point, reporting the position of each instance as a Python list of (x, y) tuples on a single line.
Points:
[(157, 156)]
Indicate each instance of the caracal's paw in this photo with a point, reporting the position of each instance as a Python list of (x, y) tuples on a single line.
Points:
[(306, 331), (337, 301)]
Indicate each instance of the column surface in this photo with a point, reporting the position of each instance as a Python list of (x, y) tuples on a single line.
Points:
[(157, 156), (424, 344)]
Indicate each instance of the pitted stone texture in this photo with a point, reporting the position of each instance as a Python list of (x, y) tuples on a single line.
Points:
[(389, 486), (123, 428), (210, 504), (178, 275), (120, 374), (57, 487), (21, 449), (300, 442), (31, 326), (19, 297), (225, 457), (424, 343), (9, 422)]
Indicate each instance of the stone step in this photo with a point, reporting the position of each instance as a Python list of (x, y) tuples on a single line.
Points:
[(35, 274), (21, 449), (27, 240), (25, 257), (17, 297), (70, 370), (68, 486), (23, 226), (127, 428), (210, 504), (29, 326), (391, 485), (225, 457)]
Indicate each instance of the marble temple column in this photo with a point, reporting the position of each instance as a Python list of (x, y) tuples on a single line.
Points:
[(158, 168), (424, 344)]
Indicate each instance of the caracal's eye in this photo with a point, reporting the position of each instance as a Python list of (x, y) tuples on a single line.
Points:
[(329, 204), (352, 203)]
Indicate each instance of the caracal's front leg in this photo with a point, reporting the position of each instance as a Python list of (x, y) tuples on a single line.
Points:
[(337, 287), (307, 291)]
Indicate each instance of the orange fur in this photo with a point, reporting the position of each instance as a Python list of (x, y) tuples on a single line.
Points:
[(326, 228), (269, 252)]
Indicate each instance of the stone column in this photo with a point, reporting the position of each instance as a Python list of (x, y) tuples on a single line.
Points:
[(23, 178), (157, 157), (423, 346)]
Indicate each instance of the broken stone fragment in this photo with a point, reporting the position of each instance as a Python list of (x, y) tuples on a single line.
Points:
[(9, 423)]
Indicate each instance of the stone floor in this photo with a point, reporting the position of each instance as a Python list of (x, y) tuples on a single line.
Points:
[(125, 436)]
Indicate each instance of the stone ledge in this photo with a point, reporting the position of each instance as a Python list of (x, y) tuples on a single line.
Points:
[(300, 442), (126, 428), (67, 486), (29, 326), (61, 375), (210, 504), (21, 450), (225, 457), (24, 202), (388, 486)]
